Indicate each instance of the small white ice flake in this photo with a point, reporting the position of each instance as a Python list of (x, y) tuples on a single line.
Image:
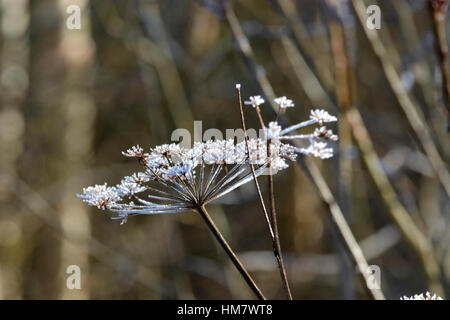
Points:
[(255, 101), (321, 116)]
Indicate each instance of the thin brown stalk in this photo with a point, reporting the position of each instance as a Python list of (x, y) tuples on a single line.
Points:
[(252, 167), (273, 213), (237, 263), (273, 228)]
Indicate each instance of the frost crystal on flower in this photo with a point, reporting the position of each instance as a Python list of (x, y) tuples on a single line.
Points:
[(318, 149), (321, 116), (135, 151), (177, 179), (274, 130), (255, 101), (427, 296), (284, 102), (185, 178), (101, 196), (324, 133)]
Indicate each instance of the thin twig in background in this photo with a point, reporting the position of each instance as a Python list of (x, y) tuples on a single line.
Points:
[(158, 53), (313, 171), (420, 67), (399, 214), (307, 78), (412, 112), (45, 212), (385, 188), (345, 163), (312, 46)]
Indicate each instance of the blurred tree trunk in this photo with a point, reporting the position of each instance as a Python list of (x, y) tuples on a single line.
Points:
[(13, 91), (78, 110)]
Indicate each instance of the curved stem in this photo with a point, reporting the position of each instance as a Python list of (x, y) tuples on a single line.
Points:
[(212, 226)]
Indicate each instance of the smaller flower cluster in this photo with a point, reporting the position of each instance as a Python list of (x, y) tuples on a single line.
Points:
[(100, 196), (427, 296), (318, 146)]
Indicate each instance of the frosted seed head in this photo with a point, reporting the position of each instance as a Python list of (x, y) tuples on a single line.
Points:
[(273, 132), (284, 102), (324, 133), (319, 150), (100, 196), (321, 116), (135, 151)]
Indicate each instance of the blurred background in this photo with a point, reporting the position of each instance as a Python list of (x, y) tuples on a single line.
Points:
[(72, 100)]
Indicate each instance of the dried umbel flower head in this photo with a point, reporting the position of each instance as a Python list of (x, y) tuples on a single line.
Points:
[(177, 179)]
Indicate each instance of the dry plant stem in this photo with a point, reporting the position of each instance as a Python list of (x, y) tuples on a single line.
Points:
[(273, 228), (399, 214), (439, 11), (412, 112), (277, 243), (314, 172), (211, 225), (252, 167)]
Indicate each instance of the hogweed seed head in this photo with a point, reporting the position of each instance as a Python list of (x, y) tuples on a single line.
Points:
[(324, 133), (177, 179)]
